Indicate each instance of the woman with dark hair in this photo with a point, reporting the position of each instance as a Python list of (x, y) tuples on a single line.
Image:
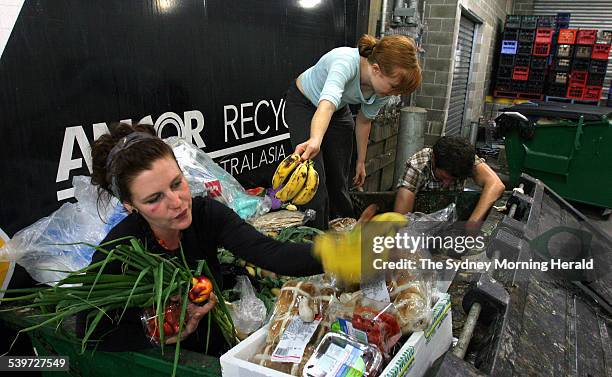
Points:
[(135, 166), (321, 124)]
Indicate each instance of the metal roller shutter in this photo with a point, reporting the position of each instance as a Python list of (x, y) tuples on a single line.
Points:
[(461, 75), (591, 14)]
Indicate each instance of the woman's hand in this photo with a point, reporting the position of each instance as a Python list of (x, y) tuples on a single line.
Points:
[(360, 174), (308, 149), (196, 313)]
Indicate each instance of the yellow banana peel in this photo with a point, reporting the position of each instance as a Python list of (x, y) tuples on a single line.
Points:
[(310, 186), (295, 183), (284, 169)]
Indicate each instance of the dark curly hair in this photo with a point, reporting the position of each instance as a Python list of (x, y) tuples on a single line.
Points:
[(455, 155), (127, 163)]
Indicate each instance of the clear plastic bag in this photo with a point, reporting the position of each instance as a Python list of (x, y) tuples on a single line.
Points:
[(366, 320), (249, 312), (172, 317), (432, 223), (206, 177), (411, 293), (337, 352), (411, 290), (298, 299), (56, 242)]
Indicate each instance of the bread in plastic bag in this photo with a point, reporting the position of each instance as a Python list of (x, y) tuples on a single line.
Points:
[(294, 296), (411, 294)]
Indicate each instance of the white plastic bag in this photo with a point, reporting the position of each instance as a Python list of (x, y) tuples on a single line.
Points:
[(54, 243), (206, 177), (248, 313)]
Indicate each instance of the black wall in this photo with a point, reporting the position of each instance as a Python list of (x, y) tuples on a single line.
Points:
[(71, 67)]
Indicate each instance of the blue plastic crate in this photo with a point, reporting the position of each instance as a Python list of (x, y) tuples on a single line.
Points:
[(563, 20), (509, 47)]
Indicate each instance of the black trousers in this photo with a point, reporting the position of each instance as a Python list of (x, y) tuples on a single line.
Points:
[(333, 162)]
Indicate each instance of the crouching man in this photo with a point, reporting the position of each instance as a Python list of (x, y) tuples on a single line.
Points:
[(446, 167)]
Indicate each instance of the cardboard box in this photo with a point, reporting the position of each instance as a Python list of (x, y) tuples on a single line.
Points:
[(413, 359)]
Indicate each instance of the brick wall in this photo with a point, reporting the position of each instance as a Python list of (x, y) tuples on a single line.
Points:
[(438, 38), (439, 41)]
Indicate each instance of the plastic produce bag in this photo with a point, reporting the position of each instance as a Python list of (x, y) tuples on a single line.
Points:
[(367, 320), (433, 227), (249, 312), (44, 245), (340, 355), (170, 327), (206, 177), (432, 223)]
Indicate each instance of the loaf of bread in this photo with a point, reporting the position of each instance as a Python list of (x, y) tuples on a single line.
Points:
[(411, 299), (286, 308)]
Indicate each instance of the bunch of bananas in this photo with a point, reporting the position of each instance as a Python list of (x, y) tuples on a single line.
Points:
[(349, 255), (303, 180)]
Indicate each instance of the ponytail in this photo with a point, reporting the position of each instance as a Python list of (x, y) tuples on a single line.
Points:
[(395, 55), (366, 45)]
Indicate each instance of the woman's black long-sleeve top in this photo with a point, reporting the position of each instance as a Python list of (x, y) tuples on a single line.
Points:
[(214, 225)]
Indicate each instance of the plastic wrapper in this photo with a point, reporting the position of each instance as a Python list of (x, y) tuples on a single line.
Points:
[(344, 224), (437, 224), (411, 293), (172, 318), (206, 177), (279, 220), (249, 312), (432, 223), (366, 320), (337, 352), (57, 242), (380, 325), (307, 299)]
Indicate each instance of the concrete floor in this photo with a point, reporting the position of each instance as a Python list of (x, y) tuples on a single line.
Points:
[(595, 214)]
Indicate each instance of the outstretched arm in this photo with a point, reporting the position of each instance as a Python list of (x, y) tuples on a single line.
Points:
[(404, 201), (318, 126), (246, 242), (492, 189)]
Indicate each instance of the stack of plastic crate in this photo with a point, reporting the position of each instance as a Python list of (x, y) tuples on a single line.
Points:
[(524, 60), (504, 86), (598, 65), (561, 65)]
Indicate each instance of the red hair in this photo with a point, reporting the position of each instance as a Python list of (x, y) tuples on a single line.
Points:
[(396, 55)]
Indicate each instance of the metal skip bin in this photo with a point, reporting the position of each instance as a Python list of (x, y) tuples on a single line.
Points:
[(567, 146)]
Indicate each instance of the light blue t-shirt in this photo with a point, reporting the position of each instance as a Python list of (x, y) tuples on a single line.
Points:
[(335, 78)]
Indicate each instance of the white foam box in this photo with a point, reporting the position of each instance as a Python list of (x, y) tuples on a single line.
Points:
[(412, 360), (424, 347)]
